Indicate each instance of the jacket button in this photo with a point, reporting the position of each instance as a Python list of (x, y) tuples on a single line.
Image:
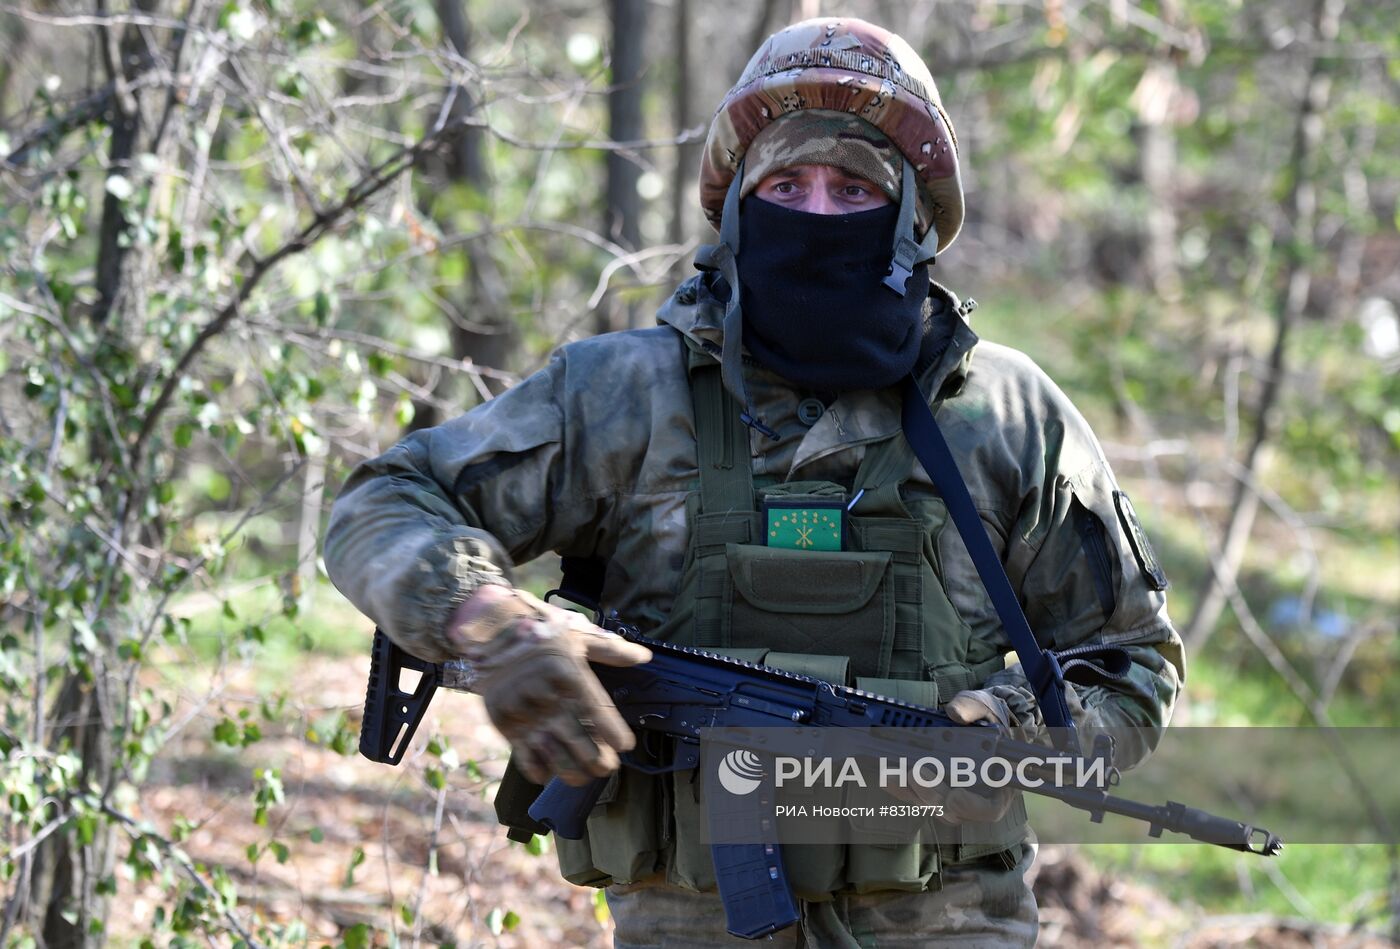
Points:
[(809, 411)]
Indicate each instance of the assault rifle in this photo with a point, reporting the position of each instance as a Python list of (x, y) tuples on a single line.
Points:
[(683, 690)]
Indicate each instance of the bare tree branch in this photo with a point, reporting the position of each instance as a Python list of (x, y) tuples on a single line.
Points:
[(323, 222)]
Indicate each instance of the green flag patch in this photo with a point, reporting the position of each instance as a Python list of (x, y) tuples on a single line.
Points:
[(804, 525)]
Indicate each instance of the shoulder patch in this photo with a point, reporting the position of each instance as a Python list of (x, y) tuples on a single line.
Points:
[(1137, 539)]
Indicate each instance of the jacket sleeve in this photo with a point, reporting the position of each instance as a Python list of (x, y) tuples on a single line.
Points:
[(1082, 566), (416, 530), (1086, 585)]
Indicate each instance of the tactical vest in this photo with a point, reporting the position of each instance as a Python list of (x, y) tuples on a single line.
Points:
[(874, 614)]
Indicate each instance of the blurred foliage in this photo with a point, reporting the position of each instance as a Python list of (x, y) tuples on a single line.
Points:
[(281, 303)]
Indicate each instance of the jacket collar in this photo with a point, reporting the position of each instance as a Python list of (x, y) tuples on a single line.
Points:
[(859, 417), (696, 311)]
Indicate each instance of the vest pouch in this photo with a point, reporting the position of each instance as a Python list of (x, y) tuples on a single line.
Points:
[(913, 691), (690, 865), (975, 841), (888, 866), (886, 856), (814, 871), (802, 601), (623, 842)]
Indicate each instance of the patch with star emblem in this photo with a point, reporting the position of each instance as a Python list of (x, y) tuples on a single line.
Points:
[(812, 523)]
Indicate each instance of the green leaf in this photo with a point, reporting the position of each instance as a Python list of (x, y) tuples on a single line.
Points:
[(181, 828), (124, 395), (356, 937), (227, 733), (84, 635), (322, 311), (435, 779), (87, 828), (280, 851), (356, 858), (317, 835)]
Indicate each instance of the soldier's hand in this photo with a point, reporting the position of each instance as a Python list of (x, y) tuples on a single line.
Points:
[(531, 664), (978, 705), (974, 804), (964, 805)]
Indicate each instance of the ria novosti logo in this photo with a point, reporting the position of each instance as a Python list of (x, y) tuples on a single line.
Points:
[(740, 772)]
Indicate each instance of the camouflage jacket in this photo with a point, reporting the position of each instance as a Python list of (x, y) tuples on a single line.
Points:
[(595, 454)]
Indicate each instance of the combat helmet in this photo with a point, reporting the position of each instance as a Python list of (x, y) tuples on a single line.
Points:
[(842, 65)]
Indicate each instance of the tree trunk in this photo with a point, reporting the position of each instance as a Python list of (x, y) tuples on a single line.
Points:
[(1157, 166), (622, 218), (683, 187), (64, 904), (481, 329), (122, 59), (63, 899), (14, 37), (1244, 503)]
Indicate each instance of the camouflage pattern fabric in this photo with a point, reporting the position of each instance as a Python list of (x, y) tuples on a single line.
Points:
[(841, 65), (820, 137), (981, 905), (596, 454)]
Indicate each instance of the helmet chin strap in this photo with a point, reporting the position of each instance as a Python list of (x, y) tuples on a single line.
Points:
[(722, 257), (908, 253)]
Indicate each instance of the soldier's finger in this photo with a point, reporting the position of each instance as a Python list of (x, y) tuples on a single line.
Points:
[(576, 735), (594, 704), (613, 650), (529, 763), (966, 806), (906, 794), (966, 708), (559, 759)]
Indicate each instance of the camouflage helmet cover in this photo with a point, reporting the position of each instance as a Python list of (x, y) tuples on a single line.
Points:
[(841, 64)]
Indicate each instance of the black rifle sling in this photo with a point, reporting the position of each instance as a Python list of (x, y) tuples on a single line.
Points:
[(1040, 665)]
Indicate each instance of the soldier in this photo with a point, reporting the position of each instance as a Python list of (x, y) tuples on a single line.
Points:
[(772, 385)]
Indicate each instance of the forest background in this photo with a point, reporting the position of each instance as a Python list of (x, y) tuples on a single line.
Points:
[(247, 244)]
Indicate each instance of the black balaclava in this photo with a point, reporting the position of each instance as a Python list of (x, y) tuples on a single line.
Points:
[(816, 307)]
